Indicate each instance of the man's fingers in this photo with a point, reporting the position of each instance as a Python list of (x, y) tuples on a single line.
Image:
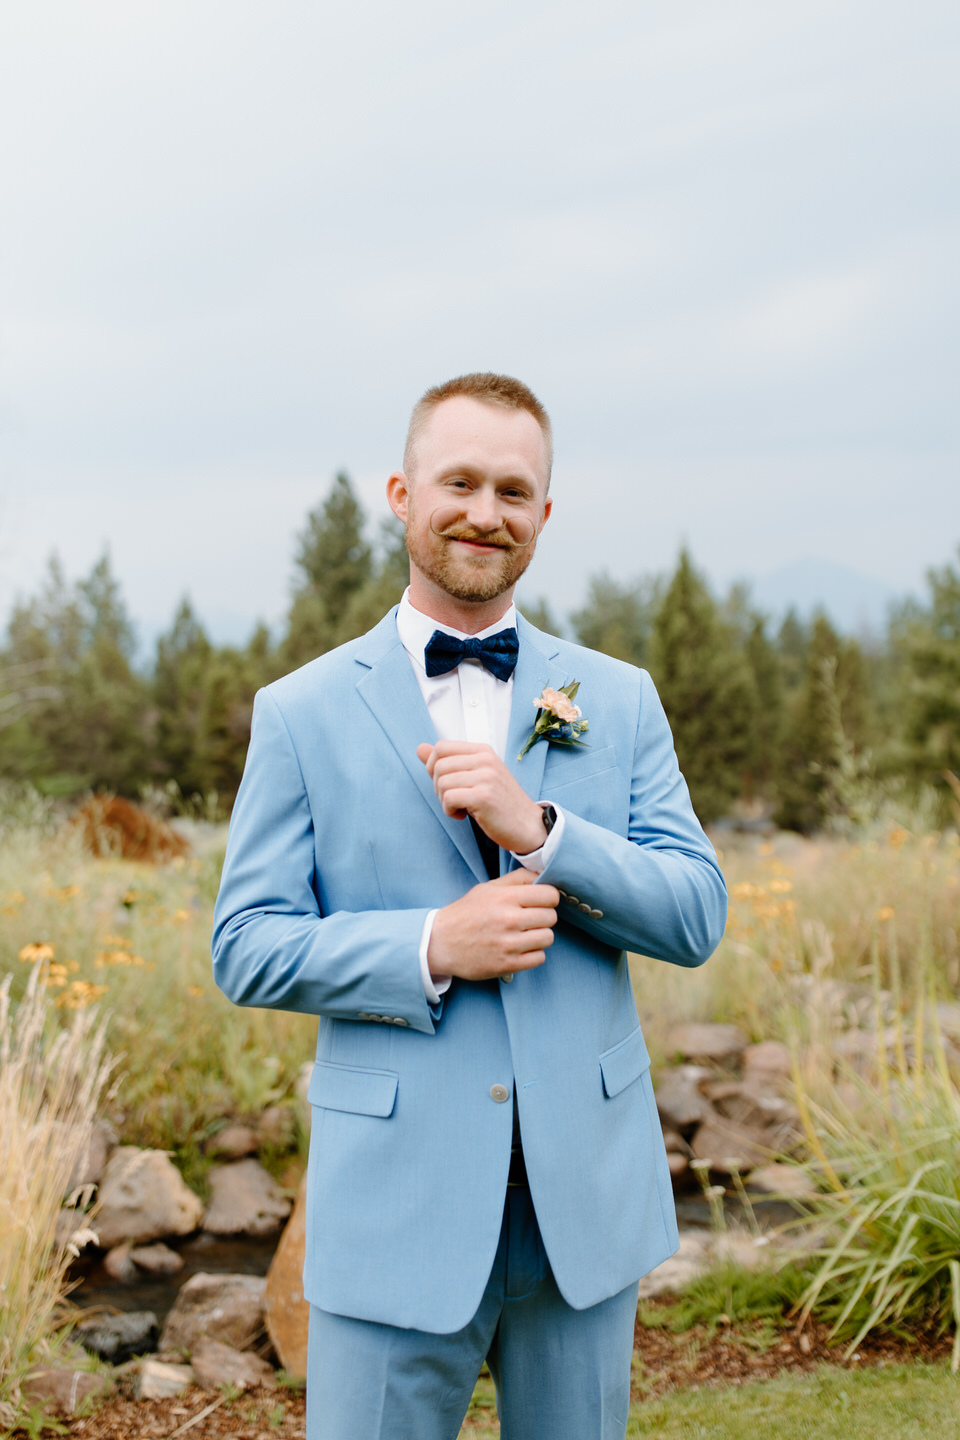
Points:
[(521, 876), (425, 753)]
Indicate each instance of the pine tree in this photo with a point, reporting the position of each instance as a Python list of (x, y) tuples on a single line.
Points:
[(335, 563), (824, 732), (707, 690), (932, 649), (617, 619), (94, 733), (179, 680)]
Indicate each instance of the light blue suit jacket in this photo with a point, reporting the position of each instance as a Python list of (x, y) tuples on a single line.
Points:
[(338, 848)]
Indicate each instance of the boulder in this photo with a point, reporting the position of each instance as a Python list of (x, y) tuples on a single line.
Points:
[(707, 1042), (767, 1065), (117, 1338), (156, 1259), (215, 1307), (285, 1311), (61, 1391), (679, 1101), (118, 1264), (676, 1272), (787, 1182), (215, 1364), (728, 1146), (143, 1197), (93, 1152), (233, 1142), (277, 1126), (159, 1380), (244, 1200)]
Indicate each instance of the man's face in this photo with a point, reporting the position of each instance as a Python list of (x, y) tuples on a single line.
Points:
[(475, 499)]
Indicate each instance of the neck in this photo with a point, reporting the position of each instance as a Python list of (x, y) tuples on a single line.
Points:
[(467, 616)]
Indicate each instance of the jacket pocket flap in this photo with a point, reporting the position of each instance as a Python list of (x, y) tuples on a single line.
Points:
[(625, 1063), (345, 1087), (566, 766)]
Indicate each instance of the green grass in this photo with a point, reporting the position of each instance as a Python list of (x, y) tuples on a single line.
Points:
[(900, 1402)]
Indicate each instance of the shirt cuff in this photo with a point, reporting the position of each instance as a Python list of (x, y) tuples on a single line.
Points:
[(538, 860), (433, 985)]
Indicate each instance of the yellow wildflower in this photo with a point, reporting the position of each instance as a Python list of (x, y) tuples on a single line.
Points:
[(31, 954), (180, 916), (196, 991), (886, 912), (80, 994)]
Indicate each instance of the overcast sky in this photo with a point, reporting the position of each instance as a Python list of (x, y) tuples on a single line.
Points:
[(238, 240)]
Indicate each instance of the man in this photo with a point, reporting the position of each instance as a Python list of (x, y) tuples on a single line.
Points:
[(487, 1177)]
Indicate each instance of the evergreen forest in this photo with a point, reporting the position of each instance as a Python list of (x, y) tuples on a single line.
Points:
[(793, 723)]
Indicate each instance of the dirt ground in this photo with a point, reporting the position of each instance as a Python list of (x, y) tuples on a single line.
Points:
[(662, 1362)]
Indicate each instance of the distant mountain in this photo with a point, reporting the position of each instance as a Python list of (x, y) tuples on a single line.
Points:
[(854, 602)]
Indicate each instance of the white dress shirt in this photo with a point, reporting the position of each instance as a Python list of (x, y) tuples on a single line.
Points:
[(467, 703)]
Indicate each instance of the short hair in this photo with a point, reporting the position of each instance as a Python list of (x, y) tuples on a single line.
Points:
[(488, 388)]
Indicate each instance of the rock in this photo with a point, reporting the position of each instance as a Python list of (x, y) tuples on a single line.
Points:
[(92, 1156), (678, 1096), (215, 1307), (73, 1230), (118, 1264), (700, 1041), (749, 1105), (285, 1311), (215, 1364), (244, 1200), (159, 1379), (157, 1259), (117, 1338), (60, 1391), (233, 1142), (678, 1163), (277, 1126), (676, 1272), (729, 1146), (791, 1182), (143, 1197), (767, 1065)]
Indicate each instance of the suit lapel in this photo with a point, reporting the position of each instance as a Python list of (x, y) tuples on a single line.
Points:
[(536, 667), (389, 687)]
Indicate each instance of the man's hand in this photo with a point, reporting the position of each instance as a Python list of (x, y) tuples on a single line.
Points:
[(472, 780), (495, 929)]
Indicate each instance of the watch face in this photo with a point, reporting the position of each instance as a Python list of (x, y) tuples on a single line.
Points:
[(549, 817)]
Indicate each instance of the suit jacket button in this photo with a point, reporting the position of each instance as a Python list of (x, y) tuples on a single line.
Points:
[(399, 1020), (596, 914), (499, 1093), (573, 899)]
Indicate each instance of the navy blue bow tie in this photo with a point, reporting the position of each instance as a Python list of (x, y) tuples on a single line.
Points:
[(498, 653)]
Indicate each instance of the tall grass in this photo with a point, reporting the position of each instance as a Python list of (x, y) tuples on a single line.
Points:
[(889, 1164), (136, 938), (812, 922), (51, 1079)]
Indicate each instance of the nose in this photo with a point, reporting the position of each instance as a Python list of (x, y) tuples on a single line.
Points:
[(484, 511)]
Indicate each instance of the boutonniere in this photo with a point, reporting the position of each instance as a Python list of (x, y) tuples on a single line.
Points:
[(558, 719)]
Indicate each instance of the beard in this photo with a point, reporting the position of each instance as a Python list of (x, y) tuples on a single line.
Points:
[(462, 575)]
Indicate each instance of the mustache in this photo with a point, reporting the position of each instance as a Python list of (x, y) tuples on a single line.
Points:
[(516, 533), (501, 538)]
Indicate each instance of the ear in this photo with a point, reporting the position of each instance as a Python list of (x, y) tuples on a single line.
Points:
[(398, 494), (547, 507)]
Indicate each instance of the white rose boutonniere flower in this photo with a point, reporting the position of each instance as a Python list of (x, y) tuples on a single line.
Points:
[(559, 721)]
